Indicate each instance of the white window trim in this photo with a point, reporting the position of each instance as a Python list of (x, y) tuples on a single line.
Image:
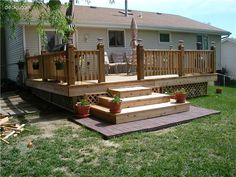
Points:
[(108, 41), (159, 36)]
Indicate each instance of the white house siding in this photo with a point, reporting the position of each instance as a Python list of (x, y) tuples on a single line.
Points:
[(228, 58), (32, 40), (14, 52), (86, 39)]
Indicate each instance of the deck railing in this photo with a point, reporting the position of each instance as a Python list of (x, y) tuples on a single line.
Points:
[(196, 61), (160, 62), (76, 65), (181, 62), (48, 66), (73, 65), (86, 64)]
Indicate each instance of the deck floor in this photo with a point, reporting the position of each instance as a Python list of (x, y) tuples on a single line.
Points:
[(123, 77), (111, 130)]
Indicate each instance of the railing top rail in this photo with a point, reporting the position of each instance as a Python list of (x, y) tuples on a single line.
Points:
[(161, 50), (87, 51), (189, 50), (54, 53), (33, 57)]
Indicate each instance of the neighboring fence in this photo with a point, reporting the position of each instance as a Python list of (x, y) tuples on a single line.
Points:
[(181, 62)]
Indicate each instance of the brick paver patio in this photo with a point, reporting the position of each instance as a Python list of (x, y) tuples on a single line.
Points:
[(110, 130)]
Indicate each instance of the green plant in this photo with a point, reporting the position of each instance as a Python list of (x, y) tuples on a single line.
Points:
[(182, 91), (116, 99), (83, 102)]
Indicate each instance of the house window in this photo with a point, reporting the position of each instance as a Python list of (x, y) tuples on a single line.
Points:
[(164, 37), (52, 40), (202, 42), (116, 39)]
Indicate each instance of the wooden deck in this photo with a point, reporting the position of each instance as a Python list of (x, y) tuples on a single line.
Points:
[(112, 81)]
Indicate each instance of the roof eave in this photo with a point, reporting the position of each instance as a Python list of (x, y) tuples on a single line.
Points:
[(154, 28)]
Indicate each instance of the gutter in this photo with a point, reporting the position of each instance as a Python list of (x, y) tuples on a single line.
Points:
[(142, 27)]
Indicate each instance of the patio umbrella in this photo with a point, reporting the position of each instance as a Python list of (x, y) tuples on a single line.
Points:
[(133, 42)]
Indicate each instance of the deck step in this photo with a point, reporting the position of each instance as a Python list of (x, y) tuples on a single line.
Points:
[(139, 113), (131, 91), (154, 98)]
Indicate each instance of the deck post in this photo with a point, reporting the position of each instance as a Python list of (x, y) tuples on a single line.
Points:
[(70, 63), (140, 62), (213, 56), (181, 58), (41, 63), (27, 54), (101, 65)]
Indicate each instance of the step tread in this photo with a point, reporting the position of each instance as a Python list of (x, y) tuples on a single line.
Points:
[(140, 108), (129, 89), (138, 98)]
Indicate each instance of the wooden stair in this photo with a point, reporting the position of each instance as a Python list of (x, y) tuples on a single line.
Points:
[(138, 103)]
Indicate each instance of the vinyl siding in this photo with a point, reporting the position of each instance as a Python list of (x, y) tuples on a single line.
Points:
[(32, 40), (15, 52), (228, 58)]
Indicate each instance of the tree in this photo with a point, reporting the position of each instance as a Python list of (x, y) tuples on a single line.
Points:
[(12, 12)]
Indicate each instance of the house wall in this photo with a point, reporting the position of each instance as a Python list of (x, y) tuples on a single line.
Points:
[(229, 58), (87, 39), (14, 51), (3, 55), (32, 40)]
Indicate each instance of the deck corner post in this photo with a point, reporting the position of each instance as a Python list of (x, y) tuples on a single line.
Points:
[(42, 68), (213, 59), (70, 63), (27, 54), (101, 65), (140, 62), (181, 58)]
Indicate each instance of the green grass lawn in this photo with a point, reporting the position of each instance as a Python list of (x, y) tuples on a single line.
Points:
[(201, 148)]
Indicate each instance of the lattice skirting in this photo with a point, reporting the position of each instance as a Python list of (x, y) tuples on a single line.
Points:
[(156, 89), (193, 90), (93, 98)]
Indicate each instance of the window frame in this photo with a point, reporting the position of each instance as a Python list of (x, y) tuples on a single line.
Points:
[(204, 47), (165, 33), (116, 30), (59, 40)]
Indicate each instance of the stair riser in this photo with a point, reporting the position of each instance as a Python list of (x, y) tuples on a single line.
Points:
[(129, 104), (151, 113), (135, 93), (108, 117), (140, 115)]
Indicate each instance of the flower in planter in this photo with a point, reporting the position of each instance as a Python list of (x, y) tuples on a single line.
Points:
[(60, 61), (82, 108), (115, 104), (180, 95), (35, 64)]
